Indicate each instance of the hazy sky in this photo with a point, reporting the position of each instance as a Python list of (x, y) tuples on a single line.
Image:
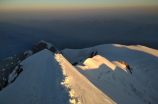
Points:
[(63, 4), (74, 8)]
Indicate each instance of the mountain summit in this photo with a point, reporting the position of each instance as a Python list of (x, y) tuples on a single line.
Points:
[(104, 74), (9, 64)]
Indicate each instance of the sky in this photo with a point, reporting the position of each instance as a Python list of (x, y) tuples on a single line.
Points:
[(39, 13), (69, 4), (75, 8)]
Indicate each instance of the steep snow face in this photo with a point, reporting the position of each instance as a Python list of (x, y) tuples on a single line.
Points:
[(105, 70), (39, 83)]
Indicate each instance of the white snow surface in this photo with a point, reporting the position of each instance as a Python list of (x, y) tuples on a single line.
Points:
[(113, 78), (82, 91), (39, 83), (51, 79)]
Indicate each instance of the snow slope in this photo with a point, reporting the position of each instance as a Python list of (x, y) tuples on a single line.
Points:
[(105, 72), (81, 89), (11, 63), (39, 83), (49, 79)]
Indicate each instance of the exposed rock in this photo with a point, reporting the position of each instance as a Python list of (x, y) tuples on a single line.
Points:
[(93, 54), (75, 63), (128, 67), (15, 73), (53, 49), (5, 83), (9, 65), (38, 47), (43, 45)]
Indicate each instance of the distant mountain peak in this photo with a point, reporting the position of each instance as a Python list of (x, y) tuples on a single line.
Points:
[(44, 45)]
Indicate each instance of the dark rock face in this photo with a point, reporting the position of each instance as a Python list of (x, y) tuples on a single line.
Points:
[(43, 45), (75, 63), (52, 49), (18, 70), (8, 65), (38, 47), (93, 54), (128, 67)]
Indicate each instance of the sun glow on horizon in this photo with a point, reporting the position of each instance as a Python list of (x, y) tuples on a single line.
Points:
[(19, 5), (38, 9)]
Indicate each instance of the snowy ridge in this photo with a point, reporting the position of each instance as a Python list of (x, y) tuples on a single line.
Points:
[(49, 78), (105, 68), (82, 91), (39, 83), (65, 81)]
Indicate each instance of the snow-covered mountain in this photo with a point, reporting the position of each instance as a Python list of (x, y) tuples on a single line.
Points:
[(104, 74), (9, 64)]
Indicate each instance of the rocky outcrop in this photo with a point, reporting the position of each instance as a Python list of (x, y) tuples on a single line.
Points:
[(75, 63), (128, 67), (8, 65), (18, 69), (43, 45), (93, 54)]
